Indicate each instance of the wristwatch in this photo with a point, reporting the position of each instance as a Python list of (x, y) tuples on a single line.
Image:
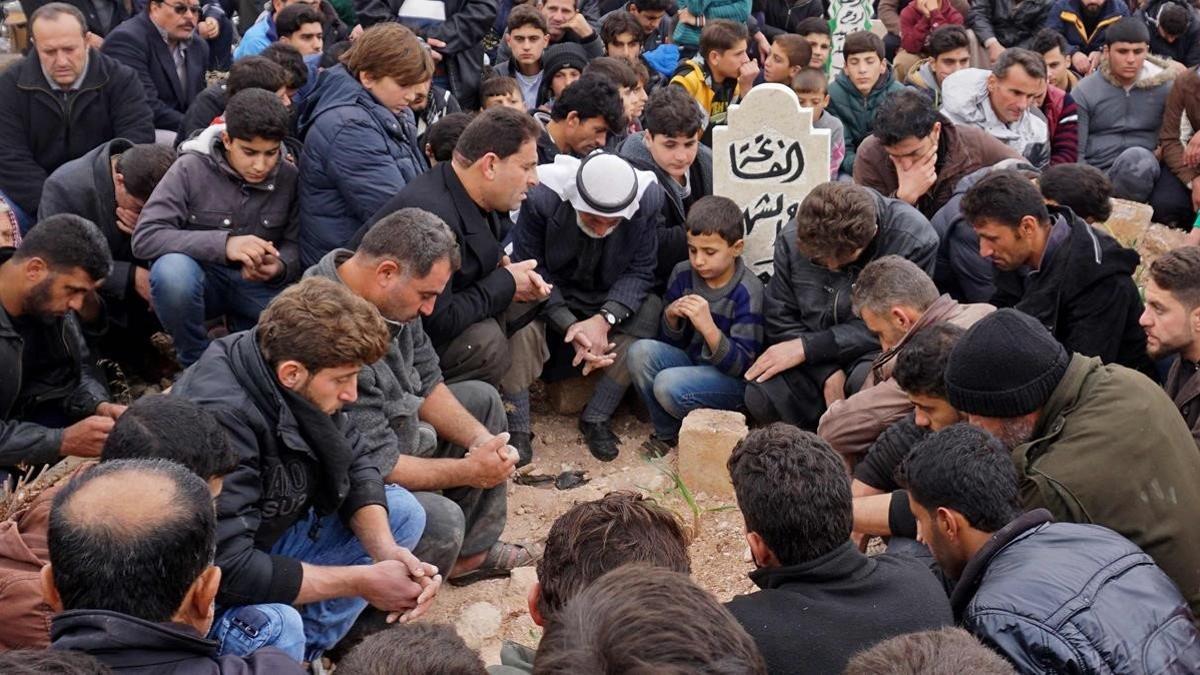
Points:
[(609, 317)]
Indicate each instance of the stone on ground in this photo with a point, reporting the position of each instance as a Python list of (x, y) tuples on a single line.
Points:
[(705, 443), (1128, 221), (570, 397), (478, 623)]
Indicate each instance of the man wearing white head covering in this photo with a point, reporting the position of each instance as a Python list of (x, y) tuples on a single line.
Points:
[(590, 225)]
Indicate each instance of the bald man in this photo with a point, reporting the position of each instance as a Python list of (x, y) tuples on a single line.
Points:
[(131, 548)]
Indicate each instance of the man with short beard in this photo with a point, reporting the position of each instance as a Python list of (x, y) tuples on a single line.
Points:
[(1092, 443), (1172, 324)]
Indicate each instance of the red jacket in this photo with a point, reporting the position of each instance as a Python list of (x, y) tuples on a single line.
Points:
[(915, 27)]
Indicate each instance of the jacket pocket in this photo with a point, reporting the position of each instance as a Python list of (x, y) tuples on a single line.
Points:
[(200, 219)]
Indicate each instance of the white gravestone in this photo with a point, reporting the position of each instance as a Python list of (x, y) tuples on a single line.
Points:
[(767, 159)]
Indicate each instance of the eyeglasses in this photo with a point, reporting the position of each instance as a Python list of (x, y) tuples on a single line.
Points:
[(182, 9)]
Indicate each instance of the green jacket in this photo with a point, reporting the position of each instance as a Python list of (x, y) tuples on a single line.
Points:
[(1110, 448), (857, 112)]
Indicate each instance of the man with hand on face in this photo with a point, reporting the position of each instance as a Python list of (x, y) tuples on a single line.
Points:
[(1172, 324), (305, 519), (50, 381)]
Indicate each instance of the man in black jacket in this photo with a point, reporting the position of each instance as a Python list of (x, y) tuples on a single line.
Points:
[(1051, 265), (820, 350), (1105, 608), (61, 101), (131, 547), (821, 599), (305, 518), (50, 381)]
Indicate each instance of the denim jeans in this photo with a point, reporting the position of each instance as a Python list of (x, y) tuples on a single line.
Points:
[(187, 292), (672, 386), (317, 626)]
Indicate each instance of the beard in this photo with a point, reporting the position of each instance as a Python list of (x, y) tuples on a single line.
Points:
[(37, 303), (1167, 347)]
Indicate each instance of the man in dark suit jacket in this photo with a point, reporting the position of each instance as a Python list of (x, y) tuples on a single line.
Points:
[(494, 166), (167, 53)]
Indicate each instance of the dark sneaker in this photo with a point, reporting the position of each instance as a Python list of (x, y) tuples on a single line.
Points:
[(523, 442), (601, 441), (655, 447)]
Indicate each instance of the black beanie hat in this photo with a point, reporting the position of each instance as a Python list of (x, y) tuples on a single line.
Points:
[(1006, 365)]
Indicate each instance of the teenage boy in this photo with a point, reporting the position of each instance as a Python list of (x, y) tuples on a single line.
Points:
[(527, 37), (670, 147), (949, 49), (301, 26), (622, 35), (653, 30), (502, 91), (789, 54), (720, 73), (812, 89), (858, 90), (712, 327), (815, 31), (221, 226)]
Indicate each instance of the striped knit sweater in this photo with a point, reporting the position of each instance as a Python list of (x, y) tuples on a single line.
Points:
[(737, 311)]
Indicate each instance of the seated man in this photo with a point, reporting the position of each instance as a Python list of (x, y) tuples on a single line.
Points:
[(470, 325), (949, 50), (819, 350), (1083, 189), (918, 155), (1002, 103), (590, 226), (58, 103), (109, 186), (53, 398), (584, 114), (1174, 29), (638, 619), (1053, 266), (263, 32), (1172, 324), (794, 494), (945, 651), (1001, 24), (655, 26), (1106, 608), (1120, 109), (1176, 195), (1082, 24), (670, 147), (149, 429), (589, 540), (413, 649), (897, 301), (1049, 407), (305, 518), (221, 227), (172, 77), (401, 266), (131, 570)]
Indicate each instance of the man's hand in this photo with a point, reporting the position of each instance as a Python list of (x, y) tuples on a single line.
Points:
[(915, 181), (110, 410), (249, 250), (141, 283), (764, 46), (86, 437), (94, 41), (695, 309), (389, 586), (209, 28), (270, 268), (435, 47), (1081, 63), (746, 76), (927, 7), (1191, 152), (835, 387), (592, 348), (491, 462), (994, 48), (530, 285), (579, 25), (127, 220), (775, 360), (356, 32)]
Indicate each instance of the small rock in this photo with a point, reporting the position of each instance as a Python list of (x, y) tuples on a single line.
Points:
[(478, 623), (521, 580), (657, 483)]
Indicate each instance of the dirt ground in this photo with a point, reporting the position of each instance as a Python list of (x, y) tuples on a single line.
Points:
[(717, 553)]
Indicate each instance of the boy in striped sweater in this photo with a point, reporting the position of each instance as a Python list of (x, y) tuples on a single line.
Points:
[(712, 327)]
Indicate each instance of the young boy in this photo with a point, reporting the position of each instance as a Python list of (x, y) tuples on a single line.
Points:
[(789, 54), (718, 75), (816, 33), (712, 327), (863, 83), (563, 65), (812, 89), (221, 226), (499, 90), (527, 38)]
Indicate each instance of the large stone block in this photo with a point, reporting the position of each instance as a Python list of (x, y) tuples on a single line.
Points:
[(705, 443), (570, 396), (1128, 221)]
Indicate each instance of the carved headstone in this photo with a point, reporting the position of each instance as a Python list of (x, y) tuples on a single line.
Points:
[(767, 159)]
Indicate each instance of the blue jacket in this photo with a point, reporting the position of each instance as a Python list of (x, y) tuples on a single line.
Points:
[(1066, 17), (257, 37), (1068, 598), (137, 44), (357, 154)]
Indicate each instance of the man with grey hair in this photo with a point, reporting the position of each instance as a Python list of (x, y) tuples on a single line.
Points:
[(59, 102), (896, 299), (445, 443)]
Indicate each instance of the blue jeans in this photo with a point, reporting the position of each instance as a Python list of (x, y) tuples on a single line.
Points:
[(317, 626), (672, 386), (187, 292)]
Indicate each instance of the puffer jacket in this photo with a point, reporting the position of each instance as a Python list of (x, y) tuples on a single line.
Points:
[(965, 101), (1106, 608), (357, 154), (857, 112), (804, 300), (1066, 18), (1012, 22), (202, 201), (1186, 49), (1112, 119), (291, 457)]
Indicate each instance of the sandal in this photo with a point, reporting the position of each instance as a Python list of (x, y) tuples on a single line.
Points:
[(499, 562)]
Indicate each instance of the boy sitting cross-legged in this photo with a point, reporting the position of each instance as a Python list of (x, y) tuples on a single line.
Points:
[(712, 327)]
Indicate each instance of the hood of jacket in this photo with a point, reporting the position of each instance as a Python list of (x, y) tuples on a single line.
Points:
[(965, 100), (337, 88), (921, 76), (208, 145), (1155, 71)]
